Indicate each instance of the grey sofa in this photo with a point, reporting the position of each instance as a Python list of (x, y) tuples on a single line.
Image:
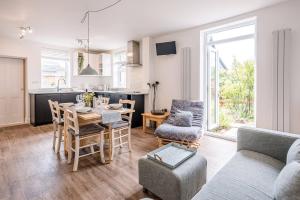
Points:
[(251, 173)]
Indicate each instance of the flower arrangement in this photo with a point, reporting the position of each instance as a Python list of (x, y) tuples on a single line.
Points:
[(88, 98)]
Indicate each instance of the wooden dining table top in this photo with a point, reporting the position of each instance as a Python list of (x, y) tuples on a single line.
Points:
[(95, 115)]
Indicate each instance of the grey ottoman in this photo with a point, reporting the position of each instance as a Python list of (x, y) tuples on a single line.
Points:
[(181, 183)]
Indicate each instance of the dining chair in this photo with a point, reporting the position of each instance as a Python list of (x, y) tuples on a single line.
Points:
[(90, 136), (97, 101), (58, 125), (121, 129)]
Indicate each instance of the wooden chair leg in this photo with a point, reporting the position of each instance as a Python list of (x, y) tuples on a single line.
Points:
[(112, 147), (54, 136), (101, 146), (129, 139), (120, 139), (76, 159), (159, 142), (59, 139), (69, 147)]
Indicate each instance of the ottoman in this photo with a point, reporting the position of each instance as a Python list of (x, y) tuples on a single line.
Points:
[(181, 183)]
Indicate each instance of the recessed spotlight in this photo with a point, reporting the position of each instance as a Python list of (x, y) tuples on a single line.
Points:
[(24, 30)]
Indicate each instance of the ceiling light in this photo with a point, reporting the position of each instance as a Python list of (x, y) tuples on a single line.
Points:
[(24, 30)]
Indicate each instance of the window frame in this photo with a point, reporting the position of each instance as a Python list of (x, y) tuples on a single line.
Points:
[(67, 63), (206, 44), (121, 68)]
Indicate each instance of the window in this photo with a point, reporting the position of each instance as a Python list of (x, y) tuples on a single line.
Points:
[(119, 69), (55, 66), (235, 32)]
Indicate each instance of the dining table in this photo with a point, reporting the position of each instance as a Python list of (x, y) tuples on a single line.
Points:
[(94, 116)]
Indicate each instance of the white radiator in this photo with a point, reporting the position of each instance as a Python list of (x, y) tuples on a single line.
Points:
[(186, 73), (281, 108)]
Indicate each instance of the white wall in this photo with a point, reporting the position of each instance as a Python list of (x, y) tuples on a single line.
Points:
[(138, 77), (284, 15), (32, 52)]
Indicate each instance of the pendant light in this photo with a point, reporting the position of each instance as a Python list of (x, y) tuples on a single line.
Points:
[(88, 70)]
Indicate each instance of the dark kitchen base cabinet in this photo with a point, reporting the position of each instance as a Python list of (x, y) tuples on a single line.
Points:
[(39, 107), (40, 111)]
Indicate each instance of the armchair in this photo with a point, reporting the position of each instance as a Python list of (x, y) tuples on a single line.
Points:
[(168, 132)]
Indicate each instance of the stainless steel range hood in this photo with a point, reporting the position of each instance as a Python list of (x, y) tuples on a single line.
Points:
[(133, 54)]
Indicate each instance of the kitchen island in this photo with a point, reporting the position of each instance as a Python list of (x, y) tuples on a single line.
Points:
[(40, 113)]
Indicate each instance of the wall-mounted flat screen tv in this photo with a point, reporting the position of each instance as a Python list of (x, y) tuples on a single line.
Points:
[(166, 48)]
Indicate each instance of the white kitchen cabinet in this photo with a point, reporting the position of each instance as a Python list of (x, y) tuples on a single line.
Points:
[(105, 65)]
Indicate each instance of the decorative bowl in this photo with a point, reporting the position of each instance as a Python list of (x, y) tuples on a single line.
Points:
[(84, 109), (115, 106)]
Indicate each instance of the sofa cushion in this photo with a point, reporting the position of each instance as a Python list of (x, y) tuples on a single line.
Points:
[(183, 118), (172, 132), (287, 184), (248, 175), (294, 152)]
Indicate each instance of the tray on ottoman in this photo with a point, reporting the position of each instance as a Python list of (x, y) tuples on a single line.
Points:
[(171, 155)]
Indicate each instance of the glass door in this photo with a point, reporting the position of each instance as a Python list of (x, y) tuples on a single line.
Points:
[(213, 88)]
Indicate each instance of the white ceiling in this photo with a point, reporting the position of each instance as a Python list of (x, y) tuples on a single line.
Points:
[(57, 22)]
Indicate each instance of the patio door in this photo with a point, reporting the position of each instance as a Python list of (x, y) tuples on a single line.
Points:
[(229, 66), (212, 88)]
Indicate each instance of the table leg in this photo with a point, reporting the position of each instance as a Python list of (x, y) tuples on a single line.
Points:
[(65, 136), (158, 123), (144, 124), (111, 143)]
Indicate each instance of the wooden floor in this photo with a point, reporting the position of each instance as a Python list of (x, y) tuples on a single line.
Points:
[(29, 169)]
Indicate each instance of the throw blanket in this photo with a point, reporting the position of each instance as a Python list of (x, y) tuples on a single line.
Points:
[(109, 116)]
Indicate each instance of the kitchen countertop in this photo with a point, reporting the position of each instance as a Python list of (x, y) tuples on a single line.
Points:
[(63, 91)]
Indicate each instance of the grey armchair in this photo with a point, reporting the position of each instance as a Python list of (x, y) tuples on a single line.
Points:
[(168, 132)]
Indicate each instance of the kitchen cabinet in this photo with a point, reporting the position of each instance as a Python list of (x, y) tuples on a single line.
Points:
[(40, 112)]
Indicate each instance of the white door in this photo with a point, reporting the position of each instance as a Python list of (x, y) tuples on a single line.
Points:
[(212, 88), (11, 91)]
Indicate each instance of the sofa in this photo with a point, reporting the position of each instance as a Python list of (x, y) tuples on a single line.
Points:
[(258, 169)]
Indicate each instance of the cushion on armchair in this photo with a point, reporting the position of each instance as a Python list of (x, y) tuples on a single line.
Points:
[(169, 131), (183, 118), (195, 107)]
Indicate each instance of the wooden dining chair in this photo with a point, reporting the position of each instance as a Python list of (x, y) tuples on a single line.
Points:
[(122, 129), (97, 101), (58, 125), (90, 137)]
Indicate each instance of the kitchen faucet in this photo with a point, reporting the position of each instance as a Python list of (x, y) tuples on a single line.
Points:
[(58, 81)]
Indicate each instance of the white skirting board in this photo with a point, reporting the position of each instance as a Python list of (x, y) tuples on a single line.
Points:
[(186, 73), (281, 83)]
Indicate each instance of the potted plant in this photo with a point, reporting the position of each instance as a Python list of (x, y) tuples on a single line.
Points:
[(154, 86), (88, 99)]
